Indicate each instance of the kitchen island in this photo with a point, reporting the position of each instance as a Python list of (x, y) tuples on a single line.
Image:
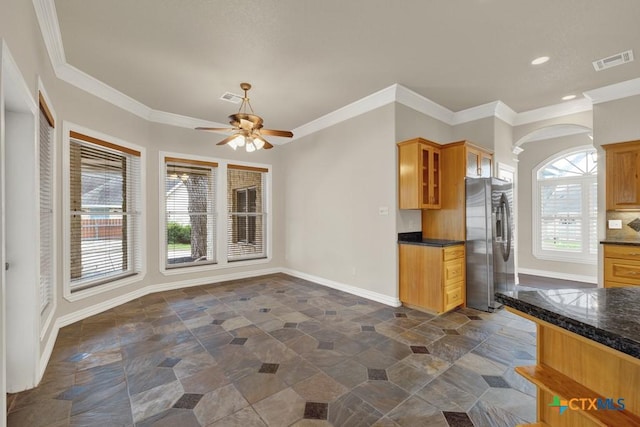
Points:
[(588, 354)]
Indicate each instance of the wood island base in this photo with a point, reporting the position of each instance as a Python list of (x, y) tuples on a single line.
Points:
[(587, 377)]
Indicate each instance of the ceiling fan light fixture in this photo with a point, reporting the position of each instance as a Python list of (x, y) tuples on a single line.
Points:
[(258, 141), (248, 127), (236, 141)]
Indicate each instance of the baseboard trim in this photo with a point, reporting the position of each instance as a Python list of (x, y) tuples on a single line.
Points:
[(556, 275), (374, 296)]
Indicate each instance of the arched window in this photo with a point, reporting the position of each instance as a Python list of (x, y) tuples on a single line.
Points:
[(565, 207)]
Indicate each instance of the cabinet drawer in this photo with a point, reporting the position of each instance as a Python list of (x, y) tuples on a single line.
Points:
[(452, 296), (621, 270), (612, 284), (453, 252), (453, 271), (622, 251)]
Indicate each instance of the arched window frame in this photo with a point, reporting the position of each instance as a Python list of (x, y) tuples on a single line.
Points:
[(588, 193)]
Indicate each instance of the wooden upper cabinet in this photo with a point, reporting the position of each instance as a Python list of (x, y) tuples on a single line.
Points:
[(623, 175), (479, 162), (419, 174)]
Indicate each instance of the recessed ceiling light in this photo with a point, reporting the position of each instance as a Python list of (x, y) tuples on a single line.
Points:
[(568, 97), (540, 60)]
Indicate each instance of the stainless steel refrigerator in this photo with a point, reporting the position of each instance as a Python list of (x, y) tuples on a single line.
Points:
[(489, 241)]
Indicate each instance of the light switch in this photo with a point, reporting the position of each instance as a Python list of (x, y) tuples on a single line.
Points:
[(615, 224), (383, 210)]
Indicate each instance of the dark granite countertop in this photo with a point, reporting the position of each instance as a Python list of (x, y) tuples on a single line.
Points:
[(621, 242), (415, 238), (608, 316)]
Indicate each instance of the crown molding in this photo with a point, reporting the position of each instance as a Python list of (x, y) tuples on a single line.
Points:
[(553, 111), (178, 120), (84, 81), (361, 106), (49, 26), (497, 109), (423, 105), (614, 91)]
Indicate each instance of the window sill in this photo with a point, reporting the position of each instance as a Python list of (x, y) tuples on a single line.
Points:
[(561, 257), (99, 289), (213, 267)]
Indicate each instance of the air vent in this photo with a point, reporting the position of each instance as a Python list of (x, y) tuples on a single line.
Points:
[(612, 61), (231, 97)]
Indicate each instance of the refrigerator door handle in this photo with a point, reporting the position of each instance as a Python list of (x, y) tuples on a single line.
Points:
[(506, 221)]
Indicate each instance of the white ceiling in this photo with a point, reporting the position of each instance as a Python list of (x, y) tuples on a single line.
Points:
[(308, 58)]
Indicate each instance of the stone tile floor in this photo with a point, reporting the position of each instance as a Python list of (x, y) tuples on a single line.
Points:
[(280, 351)]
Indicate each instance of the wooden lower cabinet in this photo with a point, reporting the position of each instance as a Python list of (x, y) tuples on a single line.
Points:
[(432, 278), (621, 265), (575, 370)]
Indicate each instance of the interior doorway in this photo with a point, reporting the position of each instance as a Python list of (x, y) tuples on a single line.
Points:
[(19, 318)]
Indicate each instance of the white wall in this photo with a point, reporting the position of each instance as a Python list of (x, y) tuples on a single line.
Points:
[(480, 132), (337, 179)]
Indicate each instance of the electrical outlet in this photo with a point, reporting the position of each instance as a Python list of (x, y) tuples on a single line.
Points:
[(615, 224), (383, 210)]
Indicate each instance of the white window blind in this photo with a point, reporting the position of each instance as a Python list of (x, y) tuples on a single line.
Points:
[(247, 217), (190, 212), (45, 150), (566, 226), (105, 214), (561, 217)]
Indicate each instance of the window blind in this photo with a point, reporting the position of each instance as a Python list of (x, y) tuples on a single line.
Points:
[(561, 218), (190, 212), (566, 225), (105, 211), (45, 150), (593, 218), (246, 226)]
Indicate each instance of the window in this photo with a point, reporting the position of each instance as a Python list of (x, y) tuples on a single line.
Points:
[(190, 220), (247, 219), (104, 190), (566, 198), (245, 225), (45, 153)]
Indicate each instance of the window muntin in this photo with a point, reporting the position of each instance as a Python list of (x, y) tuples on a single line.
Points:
[(246, 231), (566, 199), (104, 216), (190, 215)]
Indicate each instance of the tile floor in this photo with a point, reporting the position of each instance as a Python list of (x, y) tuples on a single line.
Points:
[(281, 351)]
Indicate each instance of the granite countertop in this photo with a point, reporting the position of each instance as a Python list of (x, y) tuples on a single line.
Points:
[(621, 242), (415, 238), (608, 316)]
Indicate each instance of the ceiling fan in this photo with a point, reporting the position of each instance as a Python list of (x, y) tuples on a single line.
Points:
[(247, 128)]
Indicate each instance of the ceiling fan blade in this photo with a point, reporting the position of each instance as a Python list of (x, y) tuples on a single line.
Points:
[(215, 129), (272, 132), (227, 139), (267, 145)]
